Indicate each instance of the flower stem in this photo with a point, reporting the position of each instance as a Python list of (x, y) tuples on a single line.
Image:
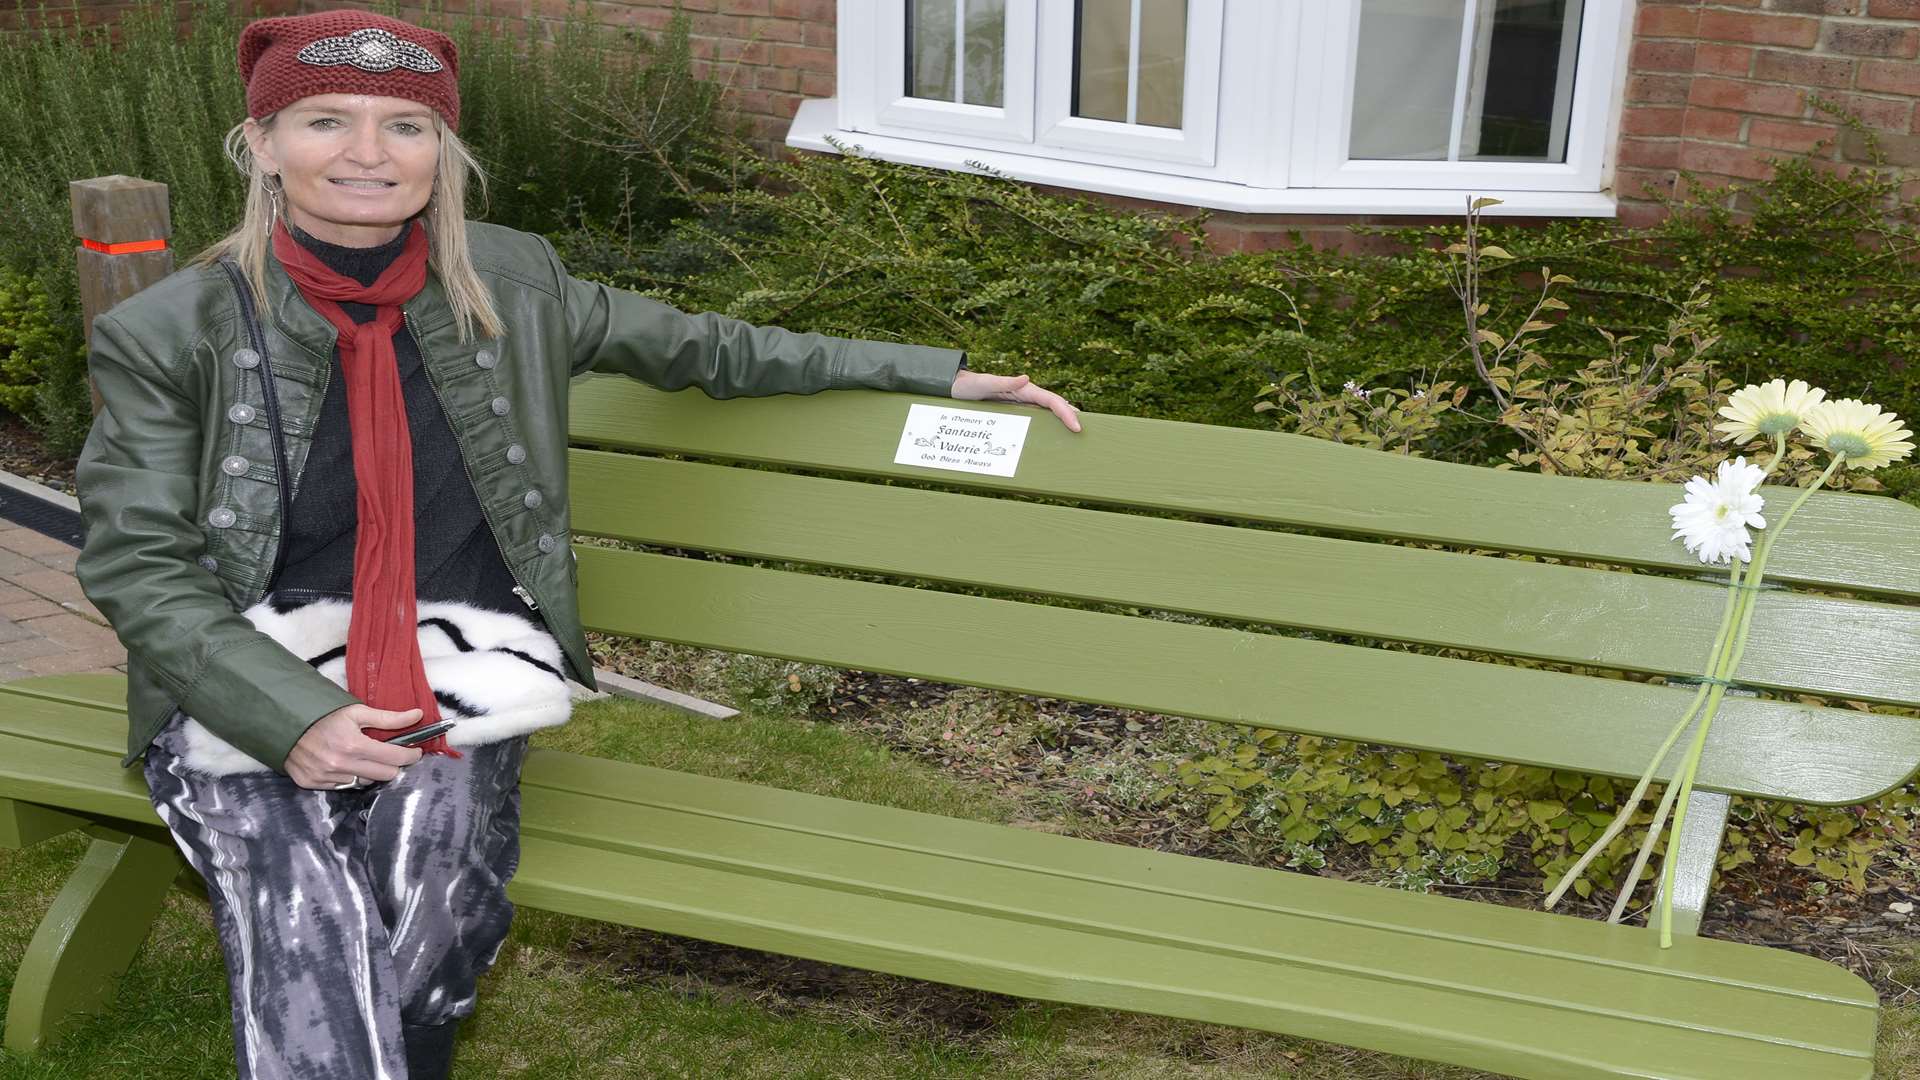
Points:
[(1779, 455), (1645, 854), (1673, 783), (1691, 768), (1621, 819)]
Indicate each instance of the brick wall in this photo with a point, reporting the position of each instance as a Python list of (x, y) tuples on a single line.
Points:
[(772, 53), (769, 53), (1717, 87), (95, 12)]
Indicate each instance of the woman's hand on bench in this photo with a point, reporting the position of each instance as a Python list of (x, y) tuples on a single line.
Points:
[(335, 751), (980, 386)]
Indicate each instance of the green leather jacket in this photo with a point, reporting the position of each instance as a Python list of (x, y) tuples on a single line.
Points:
[(177, 481)]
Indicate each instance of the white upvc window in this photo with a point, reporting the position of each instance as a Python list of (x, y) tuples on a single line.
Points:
[(1130, 78), (951, 67), (1341, 106)]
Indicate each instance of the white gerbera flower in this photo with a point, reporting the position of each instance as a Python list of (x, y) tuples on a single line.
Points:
[(1869, 436), (1713, 521), (1767, 409)]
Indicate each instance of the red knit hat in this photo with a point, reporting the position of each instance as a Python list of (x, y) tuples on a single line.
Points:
[(348, 52)]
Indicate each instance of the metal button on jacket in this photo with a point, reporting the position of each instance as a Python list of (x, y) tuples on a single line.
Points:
[(500, 406), (547, 544), (532, 499), (484, 358), (234, 465), (241, 413), (516, 454), (221, 518), (246, 358), (208, 563)]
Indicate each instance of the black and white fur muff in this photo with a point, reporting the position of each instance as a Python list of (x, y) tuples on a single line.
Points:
[(497, 674)]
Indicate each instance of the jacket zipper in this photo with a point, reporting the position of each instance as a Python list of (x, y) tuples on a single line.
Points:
[(276, 435), (519, 586)]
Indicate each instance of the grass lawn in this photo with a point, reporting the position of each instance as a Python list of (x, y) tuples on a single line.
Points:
[(574, 998)]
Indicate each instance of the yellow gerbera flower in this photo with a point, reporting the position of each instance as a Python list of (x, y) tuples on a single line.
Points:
[(1767, 409), (1869, 436)]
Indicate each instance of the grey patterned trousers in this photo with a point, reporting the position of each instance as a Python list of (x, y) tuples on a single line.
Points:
[(355, 923)]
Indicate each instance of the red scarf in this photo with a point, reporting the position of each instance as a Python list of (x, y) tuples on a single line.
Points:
[(383, 650)]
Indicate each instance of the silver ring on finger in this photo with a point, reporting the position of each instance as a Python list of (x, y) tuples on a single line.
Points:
[(355, 782)]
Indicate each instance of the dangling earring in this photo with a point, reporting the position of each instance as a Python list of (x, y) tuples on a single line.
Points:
[(273, 191)]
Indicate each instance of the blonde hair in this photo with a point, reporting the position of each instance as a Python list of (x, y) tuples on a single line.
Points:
[(446, 220)]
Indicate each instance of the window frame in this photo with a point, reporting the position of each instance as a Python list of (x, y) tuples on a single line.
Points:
[(1319, 158), (891, 109), (1193, 143), (1276, 147)]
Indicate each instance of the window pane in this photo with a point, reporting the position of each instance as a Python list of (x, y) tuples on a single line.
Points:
[(1107, 70), (1100, 61), (986, 51), (1519, 99), (1163, 61), (1404, 78), (1410, 102), (930, 49), (931, 44)]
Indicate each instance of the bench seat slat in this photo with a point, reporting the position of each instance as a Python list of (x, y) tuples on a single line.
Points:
[(60, 762), (98, 733), (72, 778), (1399, 972), (1757, 747), (65, 751), (1636, 622), (1095, 969), (1151, 904), (1335, 902), (1084, 964), (1840, 541)]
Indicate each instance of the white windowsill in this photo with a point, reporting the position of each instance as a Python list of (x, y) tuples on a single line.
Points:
[(814, 124)]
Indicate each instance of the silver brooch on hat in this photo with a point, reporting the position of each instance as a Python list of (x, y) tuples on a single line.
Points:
[(371, 49)]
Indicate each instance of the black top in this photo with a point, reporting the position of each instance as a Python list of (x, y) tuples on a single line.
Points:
[(455, 556)]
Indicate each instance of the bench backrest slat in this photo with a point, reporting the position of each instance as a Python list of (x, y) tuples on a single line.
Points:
[(1760, 747), (1130, 546), (1636, 622), (1840, 541)]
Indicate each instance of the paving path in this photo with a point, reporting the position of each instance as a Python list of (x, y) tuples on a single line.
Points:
[(46, 626)]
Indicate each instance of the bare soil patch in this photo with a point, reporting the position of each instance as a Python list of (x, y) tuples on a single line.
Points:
[(23, 455)]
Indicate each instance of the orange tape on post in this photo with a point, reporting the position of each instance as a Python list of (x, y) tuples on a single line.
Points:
[(132, 247)]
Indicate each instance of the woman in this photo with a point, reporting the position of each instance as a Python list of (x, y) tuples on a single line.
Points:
[(407, 371)]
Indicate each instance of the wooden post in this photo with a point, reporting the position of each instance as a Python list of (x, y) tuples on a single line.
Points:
[(123, 224)]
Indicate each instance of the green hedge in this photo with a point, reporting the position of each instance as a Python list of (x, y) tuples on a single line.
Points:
[(1130, 312)]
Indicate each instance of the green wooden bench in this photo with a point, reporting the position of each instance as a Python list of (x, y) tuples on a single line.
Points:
[(1164, 517)]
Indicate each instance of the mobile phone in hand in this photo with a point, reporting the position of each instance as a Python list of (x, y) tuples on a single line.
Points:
[(425, 733)]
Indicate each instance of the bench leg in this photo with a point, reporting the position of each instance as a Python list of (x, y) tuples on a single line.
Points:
[(23, 825), (89, 936), (1699, 853)]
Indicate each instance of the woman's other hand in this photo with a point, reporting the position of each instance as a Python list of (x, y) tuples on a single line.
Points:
[(980, 386), (334, 751)]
